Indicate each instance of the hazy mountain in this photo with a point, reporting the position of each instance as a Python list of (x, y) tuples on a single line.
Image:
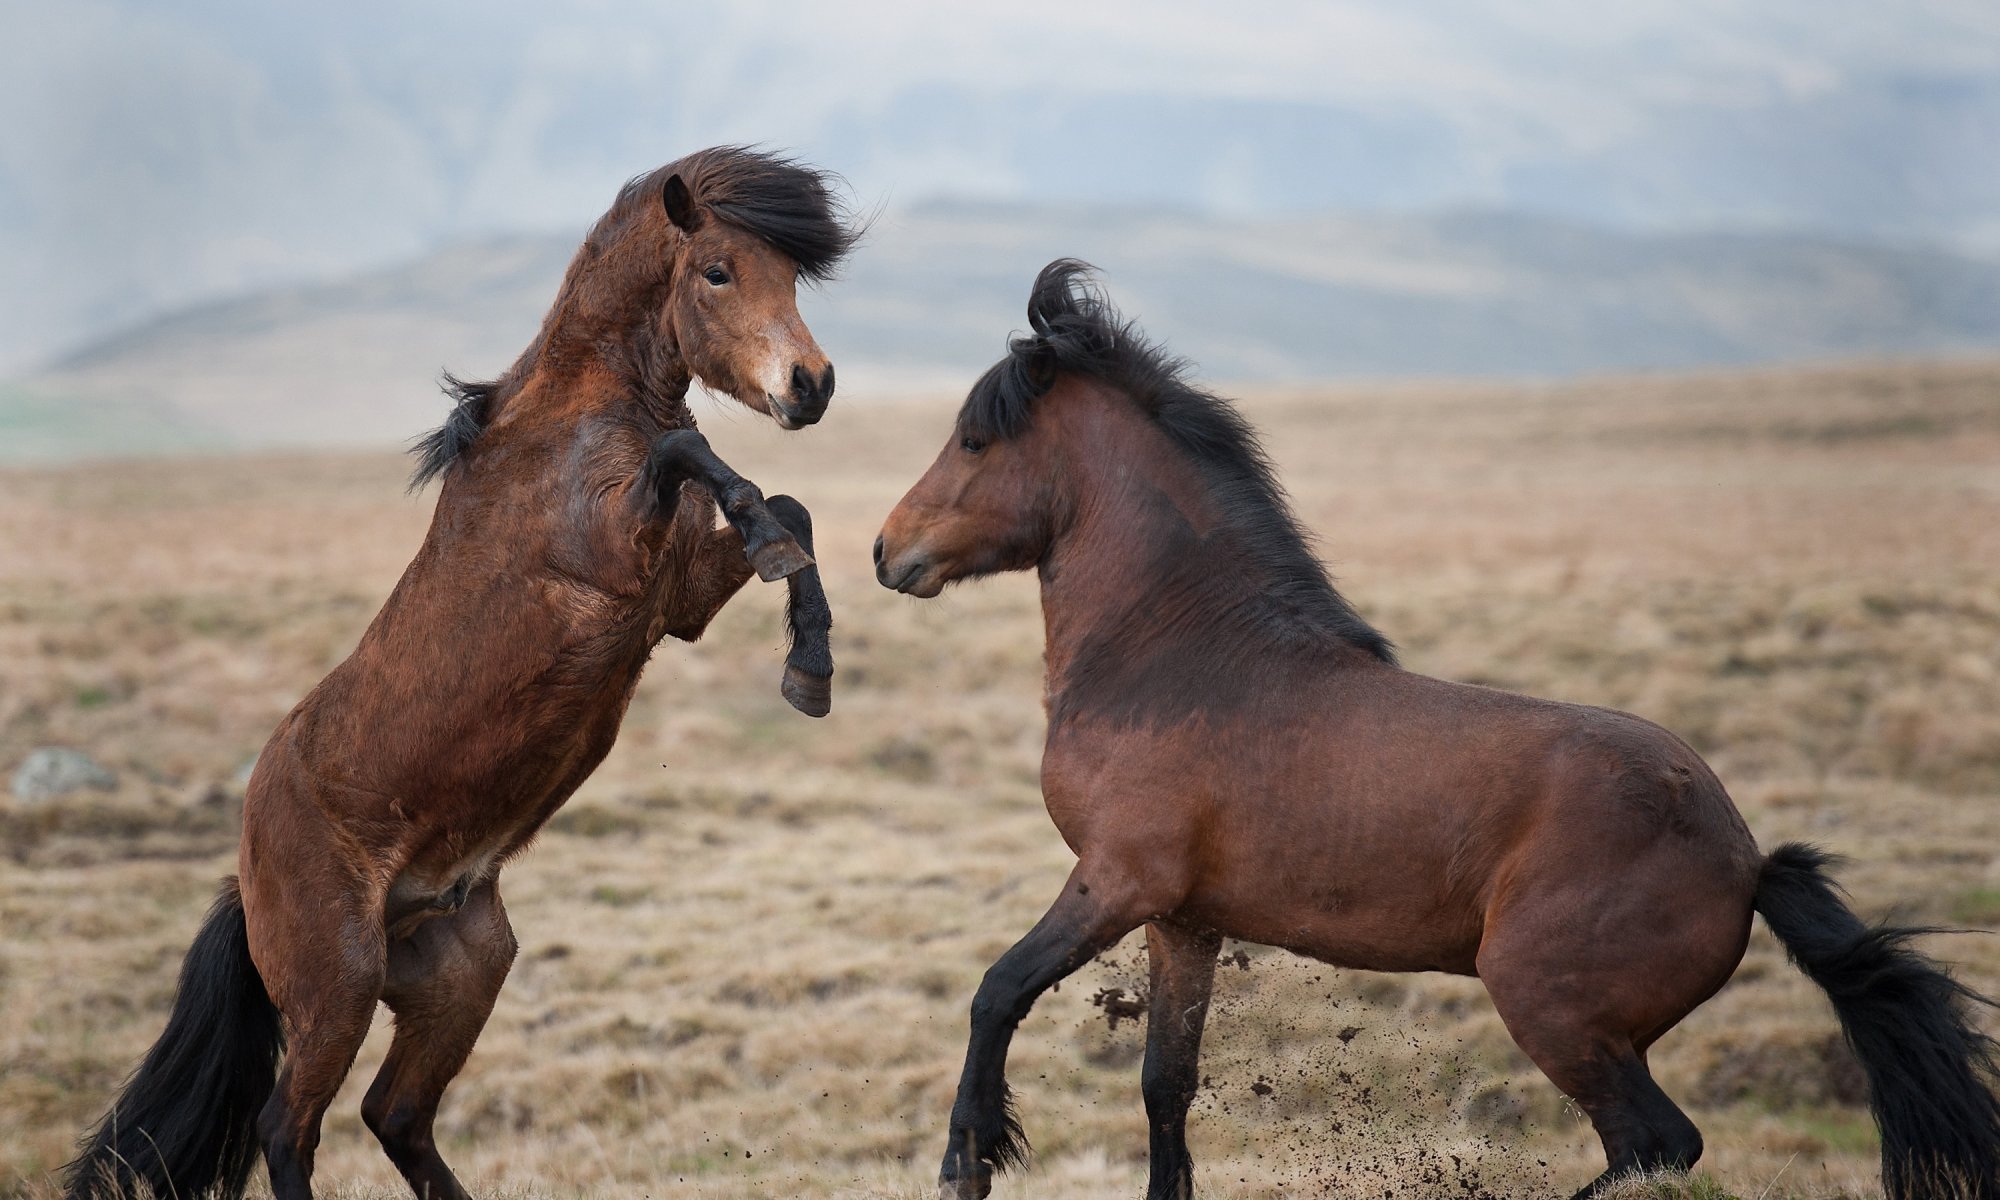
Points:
[(155, 155), (932, 295)]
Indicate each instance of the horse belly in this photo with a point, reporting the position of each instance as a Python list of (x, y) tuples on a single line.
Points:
[(1305, 844), (1351, 924)]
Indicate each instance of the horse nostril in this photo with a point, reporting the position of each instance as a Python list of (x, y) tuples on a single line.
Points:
[(809, 392), (878, 551)]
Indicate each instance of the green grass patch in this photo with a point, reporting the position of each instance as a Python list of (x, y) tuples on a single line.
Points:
[(618, 897), (1979, 907)]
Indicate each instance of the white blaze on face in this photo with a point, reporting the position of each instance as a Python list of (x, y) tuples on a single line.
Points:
[(786, 345), (774, 374)]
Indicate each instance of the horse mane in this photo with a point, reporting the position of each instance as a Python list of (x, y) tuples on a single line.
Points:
[(1077, 329), (472, 404), (794, 207), (797, 209)]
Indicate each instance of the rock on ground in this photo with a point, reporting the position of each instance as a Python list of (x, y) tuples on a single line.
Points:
[(53, 771)]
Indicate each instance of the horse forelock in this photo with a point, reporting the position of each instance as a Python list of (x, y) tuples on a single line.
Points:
[(798, 209)]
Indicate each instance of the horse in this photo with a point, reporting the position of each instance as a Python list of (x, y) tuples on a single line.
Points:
[(1232, 750), (575, 529)]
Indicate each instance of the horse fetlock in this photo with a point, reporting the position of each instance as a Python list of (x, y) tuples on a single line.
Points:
[(791, 514), (744, 499), (966, 1189), (1176, 1185), (964, 1177)]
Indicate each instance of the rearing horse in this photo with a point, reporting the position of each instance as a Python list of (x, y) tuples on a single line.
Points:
[(1233, 751), (574, 529)]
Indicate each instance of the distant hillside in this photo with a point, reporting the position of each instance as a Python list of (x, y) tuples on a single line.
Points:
[(933, 293)]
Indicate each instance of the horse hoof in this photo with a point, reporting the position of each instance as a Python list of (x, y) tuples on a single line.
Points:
[(810, 694), (780, 559)]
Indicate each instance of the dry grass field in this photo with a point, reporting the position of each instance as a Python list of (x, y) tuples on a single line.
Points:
[(749, 942)]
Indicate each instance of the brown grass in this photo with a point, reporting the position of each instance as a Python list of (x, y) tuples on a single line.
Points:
[(745, 973)]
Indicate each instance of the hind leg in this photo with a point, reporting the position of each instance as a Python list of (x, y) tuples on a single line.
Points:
[(441, 985), (1641, 1129), (1183, 975), (325, 976), (1585, 1015)]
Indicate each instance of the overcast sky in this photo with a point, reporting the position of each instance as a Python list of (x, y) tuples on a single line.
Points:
[(154, 153)]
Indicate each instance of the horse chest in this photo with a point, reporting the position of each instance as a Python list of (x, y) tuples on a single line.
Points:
[(1102, 781)]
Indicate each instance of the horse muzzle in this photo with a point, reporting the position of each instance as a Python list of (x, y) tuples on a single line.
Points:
[(912, 576), (806, 402)]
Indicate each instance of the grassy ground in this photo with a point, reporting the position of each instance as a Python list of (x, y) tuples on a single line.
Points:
[(748, 943)]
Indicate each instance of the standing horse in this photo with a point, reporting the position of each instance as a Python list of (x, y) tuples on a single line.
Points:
[(1233, 751), (575, 528)]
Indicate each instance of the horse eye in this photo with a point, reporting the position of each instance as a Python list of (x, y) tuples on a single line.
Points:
[(716, 276), (972, 445)]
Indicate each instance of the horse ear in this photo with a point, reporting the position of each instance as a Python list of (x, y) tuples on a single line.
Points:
[(679, 203)]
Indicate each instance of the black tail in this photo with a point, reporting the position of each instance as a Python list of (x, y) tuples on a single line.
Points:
[(1931, 1072), (185, 1126)]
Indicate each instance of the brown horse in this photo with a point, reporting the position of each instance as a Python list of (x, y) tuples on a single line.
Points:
[(1232, 751), (574, 529)]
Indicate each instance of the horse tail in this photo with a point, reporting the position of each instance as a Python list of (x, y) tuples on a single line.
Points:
[(1931, 1072), (185, 1125)]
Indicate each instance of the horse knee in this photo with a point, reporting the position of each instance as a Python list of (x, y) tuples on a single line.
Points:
[(985, 1009), (672, 462), (671, 446), (997, 1004)]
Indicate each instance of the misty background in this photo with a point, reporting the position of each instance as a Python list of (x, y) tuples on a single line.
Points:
[(241, 224)]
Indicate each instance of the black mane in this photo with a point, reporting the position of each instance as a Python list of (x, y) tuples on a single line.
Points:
[(1076, 329), (794, 207), (471, 408)]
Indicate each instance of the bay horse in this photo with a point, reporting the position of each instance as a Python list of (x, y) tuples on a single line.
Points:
[(575, 528), (1233, 751)]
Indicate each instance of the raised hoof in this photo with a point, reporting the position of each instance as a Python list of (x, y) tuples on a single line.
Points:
[(974, 1186), (779, 559), (810, 694)]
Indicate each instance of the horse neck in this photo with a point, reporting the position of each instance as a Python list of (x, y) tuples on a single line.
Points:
[(601, 346), (1143, 560)]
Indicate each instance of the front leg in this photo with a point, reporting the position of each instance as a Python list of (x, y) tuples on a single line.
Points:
[(808, 681), (1092, 913), (1183, 975), (681, 455), (773, 536), (720, 571)]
